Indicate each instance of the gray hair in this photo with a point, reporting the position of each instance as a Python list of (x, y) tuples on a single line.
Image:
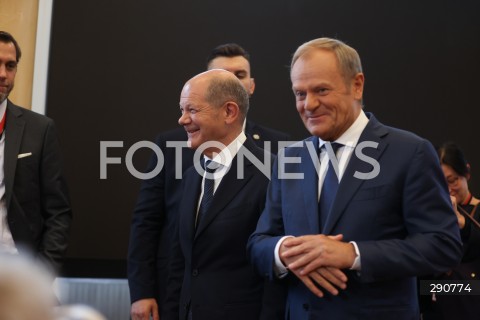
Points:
[(221, 90), (347, 57)]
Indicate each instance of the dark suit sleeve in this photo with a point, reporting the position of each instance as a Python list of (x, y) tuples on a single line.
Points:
[(55, 202), (262, 242), (145, 233), (432, 243), (170, 310)]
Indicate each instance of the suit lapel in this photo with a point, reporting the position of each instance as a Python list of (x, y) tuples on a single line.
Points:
[(191, 193), (14, 128), (349, 185), (228, 189)]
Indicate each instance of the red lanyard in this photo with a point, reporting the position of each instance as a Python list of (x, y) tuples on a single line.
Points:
[(2, 123), (467, 200)]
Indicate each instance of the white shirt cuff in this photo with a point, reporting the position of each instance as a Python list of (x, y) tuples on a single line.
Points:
[(280, 269), (356, 263)]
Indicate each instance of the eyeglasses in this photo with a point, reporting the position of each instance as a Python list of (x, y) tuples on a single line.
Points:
[(453, 180)]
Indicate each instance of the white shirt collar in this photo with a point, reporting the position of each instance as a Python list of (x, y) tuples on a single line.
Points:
[(352, 135), (3, 108), (225, 157)]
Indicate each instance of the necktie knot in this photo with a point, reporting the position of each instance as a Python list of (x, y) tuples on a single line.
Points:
[(331, 149), (333, 145), (211, 166)]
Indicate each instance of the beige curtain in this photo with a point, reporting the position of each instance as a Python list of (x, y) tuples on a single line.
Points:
[(19, 17)]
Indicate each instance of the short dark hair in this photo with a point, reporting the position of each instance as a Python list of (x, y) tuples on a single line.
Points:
[(228, 50), (451, 155), (6, 37)]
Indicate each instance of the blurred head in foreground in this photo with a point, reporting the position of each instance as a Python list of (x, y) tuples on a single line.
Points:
[(26, 291)]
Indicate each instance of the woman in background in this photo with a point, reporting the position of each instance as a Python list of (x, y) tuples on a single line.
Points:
[(457, 173)]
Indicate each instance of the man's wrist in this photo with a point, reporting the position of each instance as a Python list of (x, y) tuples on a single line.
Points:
[(280, 269), (356, 262)]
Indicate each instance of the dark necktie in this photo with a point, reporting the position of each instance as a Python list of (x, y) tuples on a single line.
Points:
[(329, 187), (207, 191)]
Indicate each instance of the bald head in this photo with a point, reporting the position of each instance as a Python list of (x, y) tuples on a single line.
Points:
[(221, 86), (213, 105)]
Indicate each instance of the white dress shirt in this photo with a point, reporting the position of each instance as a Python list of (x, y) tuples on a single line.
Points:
[(348, 140), (224, 161), (6, 240)]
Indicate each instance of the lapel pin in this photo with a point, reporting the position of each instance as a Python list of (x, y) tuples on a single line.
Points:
[(256, 136)]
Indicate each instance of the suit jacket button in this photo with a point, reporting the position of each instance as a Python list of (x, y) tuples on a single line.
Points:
[(305, 306), (195, 272)]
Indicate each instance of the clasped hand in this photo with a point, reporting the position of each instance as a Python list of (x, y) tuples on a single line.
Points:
[(317, 261)]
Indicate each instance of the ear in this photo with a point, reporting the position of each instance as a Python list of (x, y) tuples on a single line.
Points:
[(357, 86), (468, 173), (231, 112), (252, 86)]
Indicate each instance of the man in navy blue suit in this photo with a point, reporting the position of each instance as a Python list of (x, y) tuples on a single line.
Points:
[(350, 233), (156, 211)]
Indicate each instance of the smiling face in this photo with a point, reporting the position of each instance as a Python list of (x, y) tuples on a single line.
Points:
[(205, 121), (326, 102), (457, 184), (200, 119), (8, 69)]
